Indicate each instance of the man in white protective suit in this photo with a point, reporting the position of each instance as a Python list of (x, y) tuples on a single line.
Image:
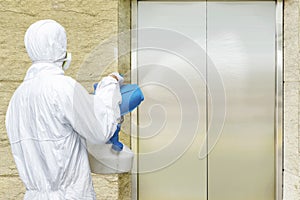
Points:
[(50, 118)]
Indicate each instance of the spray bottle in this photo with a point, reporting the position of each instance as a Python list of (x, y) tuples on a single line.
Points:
[(117, 158)]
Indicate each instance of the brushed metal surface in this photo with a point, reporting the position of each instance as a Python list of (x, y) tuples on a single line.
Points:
[(279, 100), (171, 126), (241, 43)]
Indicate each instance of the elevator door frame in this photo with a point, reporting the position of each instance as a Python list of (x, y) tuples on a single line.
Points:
[(278, 92)]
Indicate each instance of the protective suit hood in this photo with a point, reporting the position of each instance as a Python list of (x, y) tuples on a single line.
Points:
[(46, 41)]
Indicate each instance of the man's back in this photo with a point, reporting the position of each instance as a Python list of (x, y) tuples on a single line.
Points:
[(51, 116), (50, 156)]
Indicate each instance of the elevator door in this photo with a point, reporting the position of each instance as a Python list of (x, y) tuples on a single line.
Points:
[(206, 127)]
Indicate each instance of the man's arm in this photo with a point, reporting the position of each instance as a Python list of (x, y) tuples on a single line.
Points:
[(95, 117)]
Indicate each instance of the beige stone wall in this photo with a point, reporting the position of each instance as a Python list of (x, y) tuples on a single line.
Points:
[(88, 23), (124, 41), (291, 181)]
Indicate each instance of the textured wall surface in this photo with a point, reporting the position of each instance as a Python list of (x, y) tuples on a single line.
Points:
[(89, 23), (124, 40), (291, 181)]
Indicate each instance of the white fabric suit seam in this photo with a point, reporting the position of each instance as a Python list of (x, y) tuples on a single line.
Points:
[(41, 140)]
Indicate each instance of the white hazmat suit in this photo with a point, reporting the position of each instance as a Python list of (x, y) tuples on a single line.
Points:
[(51, 116)]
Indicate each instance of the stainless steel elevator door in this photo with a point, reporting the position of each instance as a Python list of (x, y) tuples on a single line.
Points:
[(180, 47), (172, 119), (241, 44)]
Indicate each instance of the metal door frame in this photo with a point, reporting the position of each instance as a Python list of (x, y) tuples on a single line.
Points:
[(278, 93)]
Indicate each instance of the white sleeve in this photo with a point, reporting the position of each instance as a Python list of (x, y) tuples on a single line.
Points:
[(108, 94), (95, 117)]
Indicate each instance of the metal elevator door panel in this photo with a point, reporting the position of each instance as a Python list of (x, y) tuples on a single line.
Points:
[(172, 119), (241, 45), (206, 69)]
